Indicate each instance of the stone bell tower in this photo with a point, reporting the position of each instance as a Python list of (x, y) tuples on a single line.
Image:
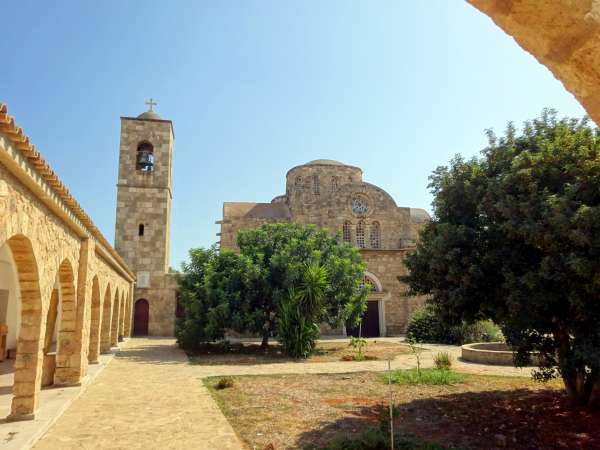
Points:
[(144, 194)]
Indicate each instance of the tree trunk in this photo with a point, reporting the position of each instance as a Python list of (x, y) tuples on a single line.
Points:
[(582, 388), (265, 338)]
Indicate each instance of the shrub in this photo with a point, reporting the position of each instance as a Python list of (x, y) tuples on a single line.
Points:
[(297, 335), (224, 383), (443, 361), (224, 346), (426, 376), (427, 326), (358, 343)]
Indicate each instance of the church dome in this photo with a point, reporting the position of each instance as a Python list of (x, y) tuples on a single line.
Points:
[(324, 162), (149, 115)]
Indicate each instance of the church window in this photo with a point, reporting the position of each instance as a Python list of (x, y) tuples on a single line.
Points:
[(145, 157), (346, 234), (360, 234), (375, 235), (368, 283), (334, 184), (316, 188), (141, 229), (298, 183)]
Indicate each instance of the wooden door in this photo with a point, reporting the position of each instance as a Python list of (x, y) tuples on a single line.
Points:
[(370, 322), (140, 318)]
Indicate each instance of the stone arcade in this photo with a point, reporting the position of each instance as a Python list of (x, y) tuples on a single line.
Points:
[(334, 196), (65, 293)]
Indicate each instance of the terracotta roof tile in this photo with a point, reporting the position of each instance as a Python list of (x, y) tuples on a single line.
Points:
[(21, 141)]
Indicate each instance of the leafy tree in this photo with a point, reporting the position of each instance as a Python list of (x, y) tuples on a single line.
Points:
[(280, 254), (300, 270), (516, 238), (298, 329)]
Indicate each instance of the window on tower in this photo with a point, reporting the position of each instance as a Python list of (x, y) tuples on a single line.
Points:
[(141, 229), (145, 157)]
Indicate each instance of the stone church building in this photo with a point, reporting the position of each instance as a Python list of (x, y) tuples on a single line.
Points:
[(333, 196)]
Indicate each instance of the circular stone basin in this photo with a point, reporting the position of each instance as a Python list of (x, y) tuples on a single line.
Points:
[(494, 353)]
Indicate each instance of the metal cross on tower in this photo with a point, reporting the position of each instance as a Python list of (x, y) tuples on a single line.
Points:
[(150, 104)]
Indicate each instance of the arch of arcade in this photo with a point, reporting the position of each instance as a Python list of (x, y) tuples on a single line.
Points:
[(65, 293)]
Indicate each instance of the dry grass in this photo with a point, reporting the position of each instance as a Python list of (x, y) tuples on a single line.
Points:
[(293, 411), (327, 351)]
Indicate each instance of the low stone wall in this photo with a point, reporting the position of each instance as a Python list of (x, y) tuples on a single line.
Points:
[(493, 353)]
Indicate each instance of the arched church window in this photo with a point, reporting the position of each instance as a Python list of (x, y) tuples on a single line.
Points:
[(346, 233), (334, 184), (316, 188), (145, 157), (141, 229), (360, 234), (369, 284), (375, 235)]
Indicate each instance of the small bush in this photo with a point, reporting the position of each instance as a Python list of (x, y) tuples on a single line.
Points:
[(224, 383), (443, 361), (358, 343), (224, 346), (426, 326), (426, 376)]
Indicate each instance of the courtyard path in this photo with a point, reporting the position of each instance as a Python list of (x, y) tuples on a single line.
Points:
[(148, 397), (404, 361)]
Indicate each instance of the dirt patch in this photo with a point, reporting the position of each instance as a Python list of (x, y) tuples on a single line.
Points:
[(253, 353), (483, 412)]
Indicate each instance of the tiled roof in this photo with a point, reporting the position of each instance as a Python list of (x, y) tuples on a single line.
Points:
[(255, 210), (21, 141)]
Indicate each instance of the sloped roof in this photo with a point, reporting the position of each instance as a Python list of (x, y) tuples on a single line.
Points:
[(255, 210), (21, 142)]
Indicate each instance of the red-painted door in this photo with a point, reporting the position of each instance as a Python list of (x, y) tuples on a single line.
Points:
[(140, 318)]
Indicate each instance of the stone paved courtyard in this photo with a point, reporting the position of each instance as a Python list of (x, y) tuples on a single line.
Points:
[(149, 396)]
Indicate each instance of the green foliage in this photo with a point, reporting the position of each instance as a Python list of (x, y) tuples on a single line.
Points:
[(443, 361), (296, 332), (358, 343), (416, 351), (515, 238), (224, 383), (426, 376), (246, 292), (428, 326)]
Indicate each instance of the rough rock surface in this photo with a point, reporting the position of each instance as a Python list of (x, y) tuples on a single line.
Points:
[(564, 35)]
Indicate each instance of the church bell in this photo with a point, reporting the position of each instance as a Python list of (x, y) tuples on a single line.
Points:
[(145, 160)]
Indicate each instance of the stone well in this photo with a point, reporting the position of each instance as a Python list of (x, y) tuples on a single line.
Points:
[(493, 353)]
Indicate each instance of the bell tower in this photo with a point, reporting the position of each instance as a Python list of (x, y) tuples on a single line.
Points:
[(144, 194)]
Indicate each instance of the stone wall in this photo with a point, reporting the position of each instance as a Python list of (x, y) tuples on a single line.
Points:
[(52, 244), (387, 266), (162, 299), (563, 35)]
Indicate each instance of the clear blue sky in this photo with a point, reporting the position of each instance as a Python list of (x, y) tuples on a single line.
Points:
[(255, 87)]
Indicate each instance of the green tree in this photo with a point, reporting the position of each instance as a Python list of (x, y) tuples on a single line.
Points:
[(280, 253), (278, 264), (301, 312), (516, 238)]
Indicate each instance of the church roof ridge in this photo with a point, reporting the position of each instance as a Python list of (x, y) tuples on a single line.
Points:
[(21, 141)]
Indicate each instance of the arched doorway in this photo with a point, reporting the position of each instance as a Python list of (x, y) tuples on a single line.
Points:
[(21, 311), (140, 317), (371, 322)]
